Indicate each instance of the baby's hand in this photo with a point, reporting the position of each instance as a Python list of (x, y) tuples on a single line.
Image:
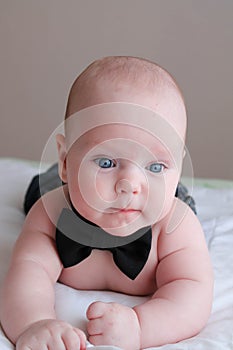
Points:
[(113, 324), (51, 335)]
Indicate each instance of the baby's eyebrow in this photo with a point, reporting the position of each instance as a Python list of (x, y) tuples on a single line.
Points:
[(160, 150), (155, 152)]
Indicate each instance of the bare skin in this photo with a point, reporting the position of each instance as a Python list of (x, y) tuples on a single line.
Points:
[(177, 275)]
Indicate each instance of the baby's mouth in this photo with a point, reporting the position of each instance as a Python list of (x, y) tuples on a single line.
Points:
[(123, 210)]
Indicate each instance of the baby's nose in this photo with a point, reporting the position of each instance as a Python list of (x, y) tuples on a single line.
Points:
[(127, 186)]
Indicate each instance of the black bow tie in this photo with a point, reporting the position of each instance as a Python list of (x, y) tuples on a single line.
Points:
[(76, 237)]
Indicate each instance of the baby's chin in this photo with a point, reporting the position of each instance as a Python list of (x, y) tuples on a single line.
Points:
[(123, 228)]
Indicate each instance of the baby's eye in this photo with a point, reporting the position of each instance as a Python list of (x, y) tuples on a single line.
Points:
[(105, 163), (156, 167)]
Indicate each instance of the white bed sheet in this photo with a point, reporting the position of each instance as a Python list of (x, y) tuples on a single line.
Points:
[(215, 211)]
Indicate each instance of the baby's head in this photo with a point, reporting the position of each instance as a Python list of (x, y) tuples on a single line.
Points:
[(133, 80), (129, 121)]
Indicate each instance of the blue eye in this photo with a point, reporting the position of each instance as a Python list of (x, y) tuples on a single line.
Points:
[(105, 163), (156, 167)]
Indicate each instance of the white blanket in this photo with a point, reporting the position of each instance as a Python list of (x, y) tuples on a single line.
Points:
[(215, 210)]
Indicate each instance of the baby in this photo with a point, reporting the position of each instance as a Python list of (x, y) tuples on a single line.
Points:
[(115, 223)]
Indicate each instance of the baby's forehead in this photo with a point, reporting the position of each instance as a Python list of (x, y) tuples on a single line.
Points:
[(123, 141), (122, 120), (119, 134)]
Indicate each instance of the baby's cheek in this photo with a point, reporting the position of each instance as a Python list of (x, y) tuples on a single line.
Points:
[(156, 197), (167, 194), (96, 188), (104, 189)]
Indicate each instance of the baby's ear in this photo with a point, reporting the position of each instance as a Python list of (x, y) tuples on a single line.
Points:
[(61, 148)]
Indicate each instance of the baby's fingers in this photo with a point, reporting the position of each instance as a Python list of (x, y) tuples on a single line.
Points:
[(82, 338), (95, 327), (74, 339), (51, 335), (96, 310)]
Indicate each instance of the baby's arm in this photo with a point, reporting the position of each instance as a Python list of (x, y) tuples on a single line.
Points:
[(181, 306), (27, 305)]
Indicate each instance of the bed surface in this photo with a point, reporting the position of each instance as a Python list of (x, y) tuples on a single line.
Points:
[(214, 201)]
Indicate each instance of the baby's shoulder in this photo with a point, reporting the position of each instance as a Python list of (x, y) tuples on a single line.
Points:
[(180, 228), (44, 214), (179, 216)]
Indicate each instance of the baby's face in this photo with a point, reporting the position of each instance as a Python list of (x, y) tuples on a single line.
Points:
[(124, 177), (121, 177)]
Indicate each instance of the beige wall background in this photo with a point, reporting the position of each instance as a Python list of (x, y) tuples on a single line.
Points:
[(45, 44)]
